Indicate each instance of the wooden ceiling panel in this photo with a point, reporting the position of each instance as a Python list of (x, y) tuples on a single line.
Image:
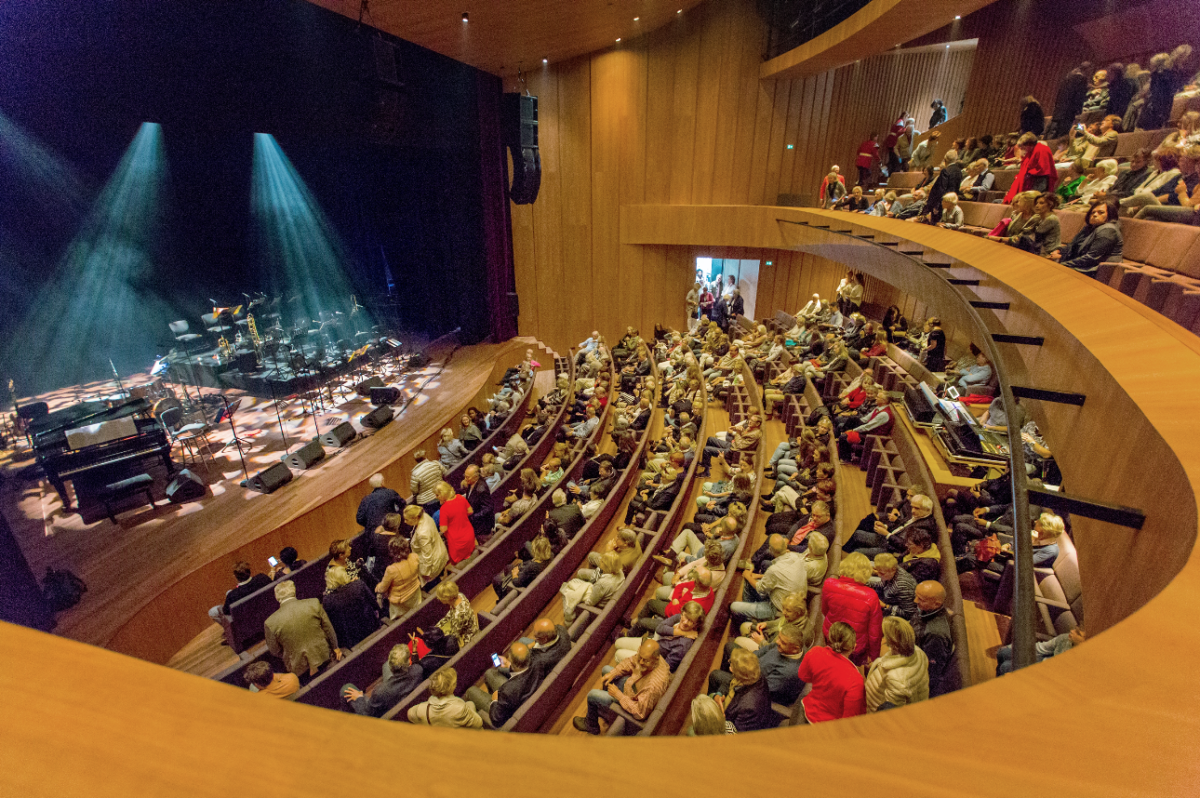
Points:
[(504, 36)]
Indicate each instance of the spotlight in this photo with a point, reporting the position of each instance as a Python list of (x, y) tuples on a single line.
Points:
[(635, 19), (466, 17), (958, 16), (618, 40), (680, 11), (545, 60), (947, 47)]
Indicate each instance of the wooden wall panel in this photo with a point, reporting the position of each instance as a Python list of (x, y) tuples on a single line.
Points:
[(679, 116)]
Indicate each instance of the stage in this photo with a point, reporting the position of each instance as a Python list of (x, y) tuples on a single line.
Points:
[(152, 577)]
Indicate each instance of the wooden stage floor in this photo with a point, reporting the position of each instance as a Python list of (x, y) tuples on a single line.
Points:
[(150, 551)]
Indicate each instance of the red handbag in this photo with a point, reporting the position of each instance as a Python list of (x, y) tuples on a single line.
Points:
[(1000, 229)]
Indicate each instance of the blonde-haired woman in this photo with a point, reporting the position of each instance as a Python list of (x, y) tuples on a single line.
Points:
[(454, 521), (460, 620), (597, 593), (450, 449), (748, 705), (847, 599), (401, 583), (707, 717), (793, 612), (443, 707), (427, 544), (901, 675)]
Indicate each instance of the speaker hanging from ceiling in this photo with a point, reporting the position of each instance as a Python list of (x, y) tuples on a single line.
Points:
[(520, 136)]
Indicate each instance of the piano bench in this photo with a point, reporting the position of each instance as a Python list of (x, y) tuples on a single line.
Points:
[(117, 491)]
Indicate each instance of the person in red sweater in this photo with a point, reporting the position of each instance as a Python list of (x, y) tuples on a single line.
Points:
[(837, 684), (654, 611), (868, 154), (847, 599), (889, 143), (832, 193), (454, 521), (1037, 171)]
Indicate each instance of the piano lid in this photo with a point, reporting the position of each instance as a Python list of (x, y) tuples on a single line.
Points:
[(83, 414)]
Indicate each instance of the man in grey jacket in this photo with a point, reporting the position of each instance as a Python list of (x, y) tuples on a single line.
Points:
[(299, 632)]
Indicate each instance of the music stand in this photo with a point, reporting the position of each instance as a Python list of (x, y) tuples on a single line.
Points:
[(227, 413)]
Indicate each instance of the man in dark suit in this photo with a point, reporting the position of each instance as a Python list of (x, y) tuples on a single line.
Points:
[(894, 538), (400, 677), (299, 632), (523, 682), (818, 520), (551, 643), (479, 496), (246, 584), (378, 503), (568, 516), (658, 496)]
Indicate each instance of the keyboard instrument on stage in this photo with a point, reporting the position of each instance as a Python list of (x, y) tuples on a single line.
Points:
[(93, 443)]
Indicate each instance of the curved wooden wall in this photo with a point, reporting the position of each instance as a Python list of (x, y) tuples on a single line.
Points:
[(1047, 728)]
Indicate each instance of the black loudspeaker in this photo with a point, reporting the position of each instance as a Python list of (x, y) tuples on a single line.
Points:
[(271, 479), (245, 362), (520, 136), (186, 487), (385, 396), (379, 417), (339, 436), (364, 387), (306, 456)]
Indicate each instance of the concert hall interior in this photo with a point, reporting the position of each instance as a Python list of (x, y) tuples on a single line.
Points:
[(818, 377)]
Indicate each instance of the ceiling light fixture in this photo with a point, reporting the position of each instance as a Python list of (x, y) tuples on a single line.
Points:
[(635, 19), (618, 40), (680, 11), (466, 17), (958, 16)]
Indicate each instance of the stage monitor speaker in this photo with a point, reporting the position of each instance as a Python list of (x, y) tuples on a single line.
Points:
[(271, 479), (385, 396), (520, 135), (379, 417), (245, 362), (306, 456), (364, 387), (186, 487), (339, 436)]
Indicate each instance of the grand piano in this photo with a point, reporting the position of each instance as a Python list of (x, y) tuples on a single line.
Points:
[(128, 435)]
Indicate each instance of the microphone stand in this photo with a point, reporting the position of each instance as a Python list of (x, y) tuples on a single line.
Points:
[(236, 441), (287, 447), (120, 385)]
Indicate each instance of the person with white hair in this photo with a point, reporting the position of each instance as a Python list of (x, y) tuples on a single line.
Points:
[(377, 504), (300, 633), (952, 215)]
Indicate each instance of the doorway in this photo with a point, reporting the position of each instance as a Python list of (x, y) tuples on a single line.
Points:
[(717, 271)]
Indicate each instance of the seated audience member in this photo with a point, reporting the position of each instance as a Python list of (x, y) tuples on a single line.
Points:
[(514, 449), (883, 204), (1158, 187), (522, 572), (460, 620), (348, 600), (427, 543), (892, 535), (900, 675), (426, 475), (594, 593), (923, 559), (454, 522), (706, 717), (624, 544), (674, 635), (401, 583), (1037, 172), (262, 679), (1076, 173), (443, 707), (299, 632), (400, 677), (1103, 143), (491, 475), (380, 502), (479, 498), (853, 202), (879, 421), (908, 206), (978, 181), (762, 595), (247, 583), (895, 587), (1042, 650), (951, 217), (755, 636), (1042, 232), (1183, 203), (745, 698), (778, 661), (975, 376), (568, 516), (503, 702), (1047, 530), (699, 589), (450, 449), (932, 627), (657, 494), (289, 562), (1100, 178), (837, 684), (846, 598), (1099, 241), (469, 434), (636, 684)]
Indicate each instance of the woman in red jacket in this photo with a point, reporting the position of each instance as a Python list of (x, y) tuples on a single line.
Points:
[(454, 520), (1037, 172), (837, 685), (847, 599)]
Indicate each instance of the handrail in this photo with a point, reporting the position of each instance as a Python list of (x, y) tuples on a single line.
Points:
[(1024, 637)]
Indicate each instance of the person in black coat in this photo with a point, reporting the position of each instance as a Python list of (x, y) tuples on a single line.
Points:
[(1072, 91), (720, 313), (947, 182), (479, 497), (353, 611), (400, 677), (1099, 241), (747, 705), (1120, 90), (892, 535), (246, 584), (655, 498), (939, 114), (503, 703), (737, 305), (378, 503), (1033, 118), (568, 517)]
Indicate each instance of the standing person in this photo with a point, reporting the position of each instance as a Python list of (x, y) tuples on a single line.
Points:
[(833, 188), (454, 522), (867, 157), (904, 145), (432, 557), (935, 346), (401, 583), (922, 156), (1069, 101), (847, 598), (378, 503), (479, 496), (1120, 90), (1033, 118), (837, 685), (1037, 172), (890, 142), (299, 632), (426, 474), (939, 113)]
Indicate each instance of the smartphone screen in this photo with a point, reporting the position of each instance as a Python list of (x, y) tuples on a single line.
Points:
[(496, 660), (272, 562)]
